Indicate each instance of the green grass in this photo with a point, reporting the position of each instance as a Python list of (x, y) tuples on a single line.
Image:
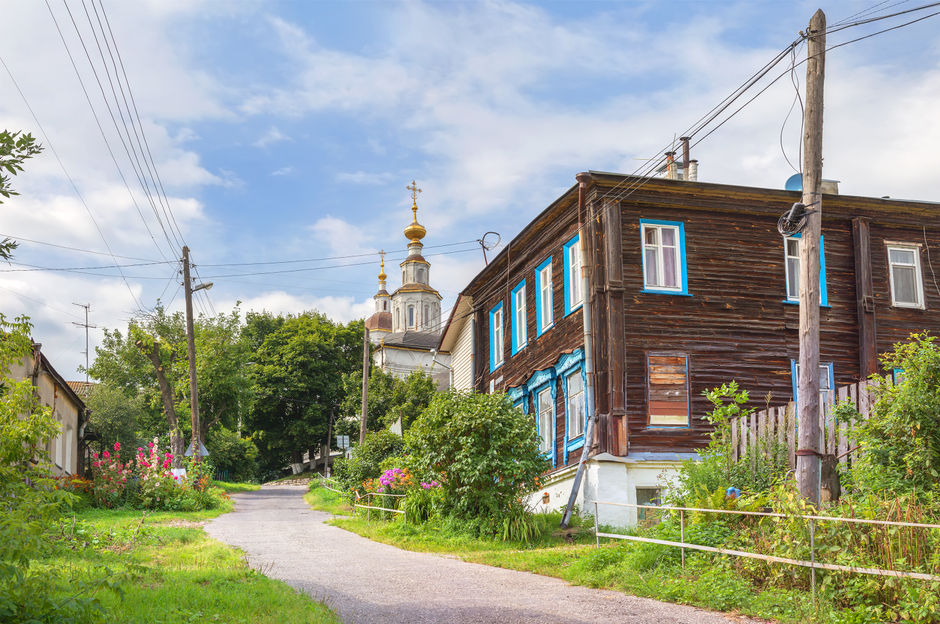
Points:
[(326, 500), (310, 474), (230, 488), (170, 571)]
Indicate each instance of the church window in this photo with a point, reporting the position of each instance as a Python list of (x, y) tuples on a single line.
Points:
[(385, 305), (420, 276), (427, 315), (411, 316)]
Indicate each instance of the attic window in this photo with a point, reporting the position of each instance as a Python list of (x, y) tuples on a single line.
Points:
[(668, 390)]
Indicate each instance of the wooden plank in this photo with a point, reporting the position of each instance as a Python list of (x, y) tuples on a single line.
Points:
[(831, 422), (780, 416), (865, 298), (753, 448), (791, 433), (821, 423), (842, 445), (742, 425), (762, 431), (734, 439)]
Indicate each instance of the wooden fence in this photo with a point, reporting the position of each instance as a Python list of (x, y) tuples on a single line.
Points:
[(757, 432)]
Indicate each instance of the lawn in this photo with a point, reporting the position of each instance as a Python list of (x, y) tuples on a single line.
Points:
[(170, 571)]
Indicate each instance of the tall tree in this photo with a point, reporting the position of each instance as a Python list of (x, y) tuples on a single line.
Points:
[(15, 147), (297, 382), (390, 398)]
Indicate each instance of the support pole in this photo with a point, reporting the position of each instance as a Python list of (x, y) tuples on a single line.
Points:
[(807, 455), (191, 348), (583, 179), (365, 384)]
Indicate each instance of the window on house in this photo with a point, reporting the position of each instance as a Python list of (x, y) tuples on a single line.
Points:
[(826, 379), (420, 277), (411, 316), (648, 496), (545, 420), (543, 298), (572, 261), (668, 379), (575, 404), (496, 337), (663, 256), (792, 258), (385, 305), (519, 334), (427, 315), (907, 289)]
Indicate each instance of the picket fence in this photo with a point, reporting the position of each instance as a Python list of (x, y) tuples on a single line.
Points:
[(755, 433)]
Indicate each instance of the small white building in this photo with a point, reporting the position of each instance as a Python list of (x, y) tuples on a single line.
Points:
[(406, 325)]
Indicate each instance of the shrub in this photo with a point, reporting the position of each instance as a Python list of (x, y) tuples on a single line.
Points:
[(481, 450), (366, 462), (900, 441)]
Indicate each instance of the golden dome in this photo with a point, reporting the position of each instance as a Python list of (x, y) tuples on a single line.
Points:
[(415, 232), (382, 275)]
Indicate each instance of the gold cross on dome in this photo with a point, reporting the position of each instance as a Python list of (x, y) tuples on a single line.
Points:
[(382, 253), (413, 187)]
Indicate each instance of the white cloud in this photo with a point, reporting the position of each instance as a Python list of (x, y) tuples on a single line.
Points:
[(364, 178), (342, 309), (272, 136), (283, 171), (340, 237)]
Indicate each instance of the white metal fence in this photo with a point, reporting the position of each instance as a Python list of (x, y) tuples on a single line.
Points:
[(330, 484), (812, 564), (370, 496)]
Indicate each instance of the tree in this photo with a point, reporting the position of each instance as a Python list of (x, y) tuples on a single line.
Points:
[(151, 360), (297, 384), (115, 416), (390, 398), (15, 147)]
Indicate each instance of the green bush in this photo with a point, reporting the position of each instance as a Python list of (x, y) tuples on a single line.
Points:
[(900, 441), (30, 503), (483, 452), (366, 462)]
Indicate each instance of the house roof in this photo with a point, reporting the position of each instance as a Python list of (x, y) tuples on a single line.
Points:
[(81, 388), (413, 340), (380, 321)]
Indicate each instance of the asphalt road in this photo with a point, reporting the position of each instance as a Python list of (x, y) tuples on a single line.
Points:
[(368, 582)]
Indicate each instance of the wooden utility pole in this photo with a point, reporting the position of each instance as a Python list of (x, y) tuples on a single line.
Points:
[(807, 455), (365, 384), (191, 347)]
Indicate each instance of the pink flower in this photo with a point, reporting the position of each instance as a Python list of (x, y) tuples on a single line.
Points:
[(140, 449), (150, 445), (107, 455), (95, 455), (117, 446)]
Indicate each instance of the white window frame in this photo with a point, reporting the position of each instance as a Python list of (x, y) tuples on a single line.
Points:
[(498, 344), (546, 313), (787, 264), (543, 402), (918, 276), (411, 316), (520, 315), (658, 247), (575, 296), (574, 406)]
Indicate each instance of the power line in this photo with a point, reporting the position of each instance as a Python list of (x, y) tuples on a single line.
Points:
[(923, 7), (324, 258), (33, 268), (87, 251), (104, 136)]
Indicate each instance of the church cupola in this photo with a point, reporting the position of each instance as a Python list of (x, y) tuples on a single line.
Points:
[(380, 323), (415, 306)]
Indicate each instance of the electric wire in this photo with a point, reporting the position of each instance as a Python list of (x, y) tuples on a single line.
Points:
[(104, 136), (79, 249)]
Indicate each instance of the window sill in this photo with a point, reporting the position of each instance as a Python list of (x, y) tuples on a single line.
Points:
[(493, 369), (652, 291), (575, 443), (574, 309), (539, 334), (908, 306), (516, 351), (796, 303), (667, 427)]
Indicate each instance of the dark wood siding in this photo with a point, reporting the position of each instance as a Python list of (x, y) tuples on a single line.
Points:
[(734, 325)]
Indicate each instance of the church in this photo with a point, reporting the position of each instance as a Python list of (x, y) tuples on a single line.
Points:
[(406, 325)]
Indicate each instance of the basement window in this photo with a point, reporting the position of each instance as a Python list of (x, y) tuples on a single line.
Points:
[(668, 390)]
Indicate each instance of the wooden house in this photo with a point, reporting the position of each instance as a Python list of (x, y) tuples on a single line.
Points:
[(691, 285)]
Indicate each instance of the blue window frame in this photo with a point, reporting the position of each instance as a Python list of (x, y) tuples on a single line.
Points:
[(791, 252), (545, 418), (517, 304), (663, 255), (497, 345), (544, 309), (827, 381), (570, 367), (571, 252)]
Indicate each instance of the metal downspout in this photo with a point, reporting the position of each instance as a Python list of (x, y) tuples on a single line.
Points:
[(586, 315)]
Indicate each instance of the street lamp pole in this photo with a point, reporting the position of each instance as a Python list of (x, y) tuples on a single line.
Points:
[(188, 289)]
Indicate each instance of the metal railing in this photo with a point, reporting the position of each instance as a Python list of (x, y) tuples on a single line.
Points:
[(812, 564), (401, 511), (330, 483)]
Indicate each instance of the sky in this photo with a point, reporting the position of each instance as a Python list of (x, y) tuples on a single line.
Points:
[(287, 131)]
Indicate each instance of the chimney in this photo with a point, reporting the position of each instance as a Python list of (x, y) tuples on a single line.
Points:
[(693, 171), (671, 173), (685, 157)]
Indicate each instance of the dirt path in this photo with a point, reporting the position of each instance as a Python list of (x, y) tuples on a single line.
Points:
[(368, 582)]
